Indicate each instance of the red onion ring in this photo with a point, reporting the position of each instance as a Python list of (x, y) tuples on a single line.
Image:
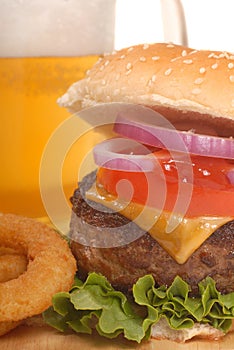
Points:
[(124, 154), (153, 135)]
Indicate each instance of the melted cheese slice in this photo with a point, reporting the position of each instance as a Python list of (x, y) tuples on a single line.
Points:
[(179, 236)]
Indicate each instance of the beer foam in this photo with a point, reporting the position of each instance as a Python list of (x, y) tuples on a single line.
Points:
[(56, 27)]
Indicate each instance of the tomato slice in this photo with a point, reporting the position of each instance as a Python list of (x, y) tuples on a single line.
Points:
[(212, 192)]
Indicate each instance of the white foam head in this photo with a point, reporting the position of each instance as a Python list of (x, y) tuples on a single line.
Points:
[(56, 27)]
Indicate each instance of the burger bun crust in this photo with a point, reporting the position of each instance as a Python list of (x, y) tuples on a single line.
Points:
[(156, 75)]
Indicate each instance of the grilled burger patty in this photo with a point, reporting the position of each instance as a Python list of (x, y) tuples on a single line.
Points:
[(123, 265)]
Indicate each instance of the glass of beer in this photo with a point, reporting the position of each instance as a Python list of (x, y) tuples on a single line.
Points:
[(45, 47)]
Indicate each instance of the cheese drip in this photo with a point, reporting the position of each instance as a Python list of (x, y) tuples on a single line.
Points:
[(187, 234)]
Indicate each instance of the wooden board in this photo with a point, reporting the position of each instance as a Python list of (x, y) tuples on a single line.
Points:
[(45, 338)]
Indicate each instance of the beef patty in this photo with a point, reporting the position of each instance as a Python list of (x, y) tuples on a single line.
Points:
[(91, 223)]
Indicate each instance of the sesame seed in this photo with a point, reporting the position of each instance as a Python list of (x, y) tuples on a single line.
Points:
[(88, 72), (188, 61), (130, 49), (128, 72), (170, 45), (99, 60), (226, 54), (106, 63), (122, 56), (184, 53), (192, 52), (196, 91), (155, 58), (175, 59), (145, 46), (202, 70), (103, 82), (198, 81), (214, 66), (168, 71), (231, 57), (152, 80), (211, 55), (142, 59), (230, 65), (88, 80), (102, 68), (129, 65), (231, 78)]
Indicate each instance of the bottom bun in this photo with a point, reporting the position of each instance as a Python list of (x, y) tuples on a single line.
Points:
[(162, 331)]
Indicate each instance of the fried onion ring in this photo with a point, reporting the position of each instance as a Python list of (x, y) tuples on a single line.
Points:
[(6, 327), (11, 266), (51, 267), (11, 251)]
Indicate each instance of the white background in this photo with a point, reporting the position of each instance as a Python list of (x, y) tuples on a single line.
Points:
[(210, 23), (82, 27)]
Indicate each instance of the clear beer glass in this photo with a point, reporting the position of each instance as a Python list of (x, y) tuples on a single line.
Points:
[(44, 47)]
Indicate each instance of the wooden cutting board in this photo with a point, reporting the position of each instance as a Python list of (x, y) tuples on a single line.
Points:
[(45, 338)]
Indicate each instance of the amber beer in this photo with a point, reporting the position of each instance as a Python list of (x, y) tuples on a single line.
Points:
[(29, 114), (45, 47)]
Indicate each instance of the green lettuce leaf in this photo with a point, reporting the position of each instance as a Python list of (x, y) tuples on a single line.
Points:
[(183, 311), (95, 304)]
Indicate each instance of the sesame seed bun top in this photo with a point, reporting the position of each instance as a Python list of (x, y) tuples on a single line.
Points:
[(159, 75)]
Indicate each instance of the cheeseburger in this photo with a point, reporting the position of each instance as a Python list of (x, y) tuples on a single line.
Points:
[(182, 277)]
